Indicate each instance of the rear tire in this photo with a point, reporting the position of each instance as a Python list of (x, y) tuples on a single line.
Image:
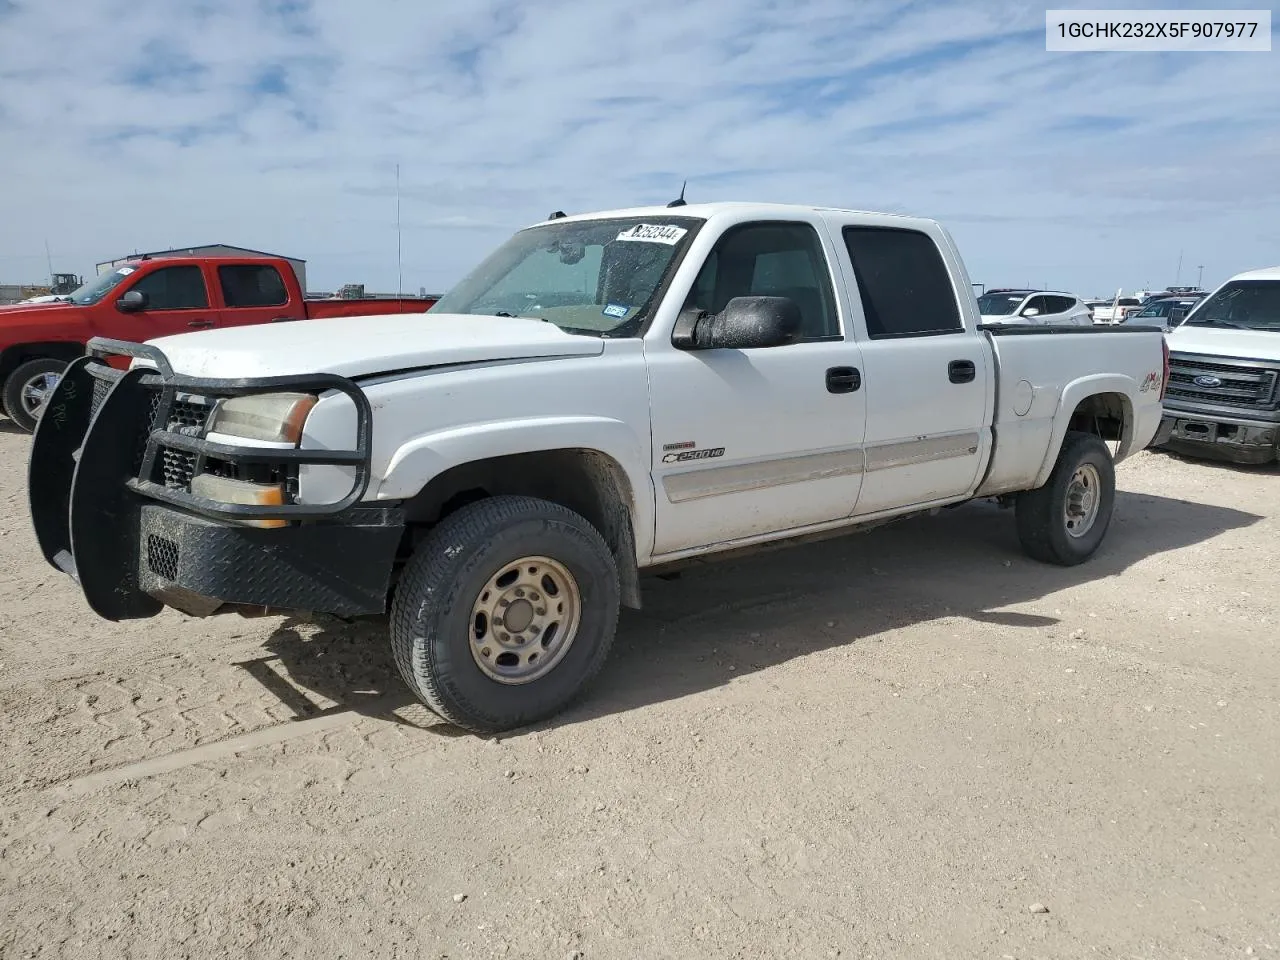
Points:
[(1065, 521), (505, 613), (27, 389)]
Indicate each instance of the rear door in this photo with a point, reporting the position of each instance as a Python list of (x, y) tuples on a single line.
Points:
[(1056, 309), (254, 292), (927, 376), (177, 301)]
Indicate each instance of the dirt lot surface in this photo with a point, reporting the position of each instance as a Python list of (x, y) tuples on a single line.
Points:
[(891, 745)]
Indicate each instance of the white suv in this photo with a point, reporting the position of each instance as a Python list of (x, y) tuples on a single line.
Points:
[(1040, 307)]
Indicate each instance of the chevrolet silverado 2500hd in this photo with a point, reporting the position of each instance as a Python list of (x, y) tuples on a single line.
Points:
[(1224, 380), (604, 394), (152, 297)]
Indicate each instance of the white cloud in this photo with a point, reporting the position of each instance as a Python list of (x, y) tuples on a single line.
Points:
[(277, 124)]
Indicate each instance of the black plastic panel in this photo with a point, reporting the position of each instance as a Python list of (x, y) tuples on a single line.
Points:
[(52, 466)]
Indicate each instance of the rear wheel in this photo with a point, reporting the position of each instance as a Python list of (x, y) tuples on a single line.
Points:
[(505, 613), (1065, 521), (27, 389)]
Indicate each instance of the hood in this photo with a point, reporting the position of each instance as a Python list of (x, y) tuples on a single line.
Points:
[(363, 346), (1226, 342), (24, 311)]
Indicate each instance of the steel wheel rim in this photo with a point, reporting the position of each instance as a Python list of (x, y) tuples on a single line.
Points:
[(1084, 498), (35, 392), (525, 619)]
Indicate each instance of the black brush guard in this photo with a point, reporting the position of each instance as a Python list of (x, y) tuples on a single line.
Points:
[(135, 544)]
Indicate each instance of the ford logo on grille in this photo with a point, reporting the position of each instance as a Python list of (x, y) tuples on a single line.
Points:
[(1207, 382)]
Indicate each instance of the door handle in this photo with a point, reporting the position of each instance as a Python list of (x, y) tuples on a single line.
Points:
[(281, 319), (962, 371), (199, 324), (843, 379)]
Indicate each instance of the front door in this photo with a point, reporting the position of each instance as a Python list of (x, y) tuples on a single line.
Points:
[(927, 377), (177, 301), (752, 442)]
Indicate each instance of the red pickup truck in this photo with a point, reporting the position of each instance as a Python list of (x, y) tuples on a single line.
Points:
[(155, 297)]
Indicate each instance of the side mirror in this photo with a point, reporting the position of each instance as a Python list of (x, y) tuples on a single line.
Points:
[(1031, 312), (1177, 315), (745, 323), (132, 302)]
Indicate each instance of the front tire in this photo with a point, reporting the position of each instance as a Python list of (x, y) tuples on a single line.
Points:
[(1065, 521), (505, 613), (27, 389)]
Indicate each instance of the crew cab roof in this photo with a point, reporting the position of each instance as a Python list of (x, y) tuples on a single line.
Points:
[(763, 211), (1266, 273)]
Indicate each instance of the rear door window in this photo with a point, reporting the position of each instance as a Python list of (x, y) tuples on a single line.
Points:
[(903, 281), (252, 285)]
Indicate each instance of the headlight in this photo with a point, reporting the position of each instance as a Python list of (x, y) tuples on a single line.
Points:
[(265, 419), (268, 417)]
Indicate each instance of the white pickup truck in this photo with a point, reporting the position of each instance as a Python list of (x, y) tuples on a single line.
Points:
[(604, 395), (1224, 380)]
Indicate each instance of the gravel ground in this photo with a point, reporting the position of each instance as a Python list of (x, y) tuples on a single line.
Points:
[(911, 743)]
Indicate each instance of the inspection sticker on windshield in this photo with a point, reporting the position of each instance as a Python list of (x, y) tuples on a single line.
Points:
[(616, 310), (654, 233)]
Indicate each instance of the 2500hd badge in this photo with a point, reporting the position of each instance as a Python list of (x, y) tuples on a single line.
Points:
[(684, 455)]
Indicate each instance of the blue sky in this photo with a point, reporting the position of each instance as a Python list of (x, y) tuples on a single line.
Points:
[(277, 124)]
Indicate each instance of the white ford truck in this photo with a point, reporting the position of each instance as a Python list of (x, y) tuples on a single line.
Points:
[(604, 395), (1224, 379)]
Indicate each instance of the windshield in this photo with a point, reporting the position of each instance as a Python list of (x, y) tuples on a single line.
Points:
[(999, 304), (585, 276), (99, 287), (1247, 304), (1160, 308)]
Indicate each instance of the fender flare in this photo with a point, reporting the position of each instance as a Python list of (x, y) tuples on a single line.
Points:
[(418, 461), (1072, 395)]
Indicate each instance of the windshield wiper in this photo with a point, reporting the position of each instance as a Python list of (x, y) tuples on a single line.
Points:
[(518, 316)]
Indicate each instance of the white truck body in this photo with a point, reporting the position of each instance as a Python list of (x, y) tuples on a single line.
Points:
[(796, 458), (780, 372)]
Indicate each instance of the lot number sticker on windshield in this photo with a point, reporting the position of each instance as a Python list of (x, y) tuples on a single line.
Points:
[(653, 233)]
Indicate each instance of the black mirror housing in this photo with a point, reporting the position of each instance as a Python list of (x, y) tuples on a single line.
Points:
[(745, 323), (132, 302)]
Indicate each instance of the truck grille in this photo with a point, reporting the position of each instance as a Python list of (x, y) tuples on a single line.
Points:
[(187, 415), (1247, 385)]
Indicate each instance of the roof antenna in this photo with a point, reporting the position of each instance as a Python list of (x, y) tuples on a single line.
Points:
[(557, 215), (679, 201)]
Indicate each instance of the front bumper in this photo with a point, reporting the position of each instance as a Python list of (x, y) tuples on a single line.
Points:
[(1218, 438), (200, 566), (109, 493)]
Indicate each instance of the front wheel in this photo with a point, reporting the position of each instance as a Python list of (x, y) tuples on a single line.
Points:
[(1064, 521), (27, 389), (505, 613)]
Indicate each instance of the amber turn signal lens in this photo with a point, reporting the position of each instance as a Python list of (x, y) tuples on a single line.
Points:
[(224, 490)]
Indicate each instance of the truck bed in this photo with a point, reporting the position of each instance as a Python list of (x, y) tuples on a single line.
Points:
[(370, 306), (1034, 382)]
